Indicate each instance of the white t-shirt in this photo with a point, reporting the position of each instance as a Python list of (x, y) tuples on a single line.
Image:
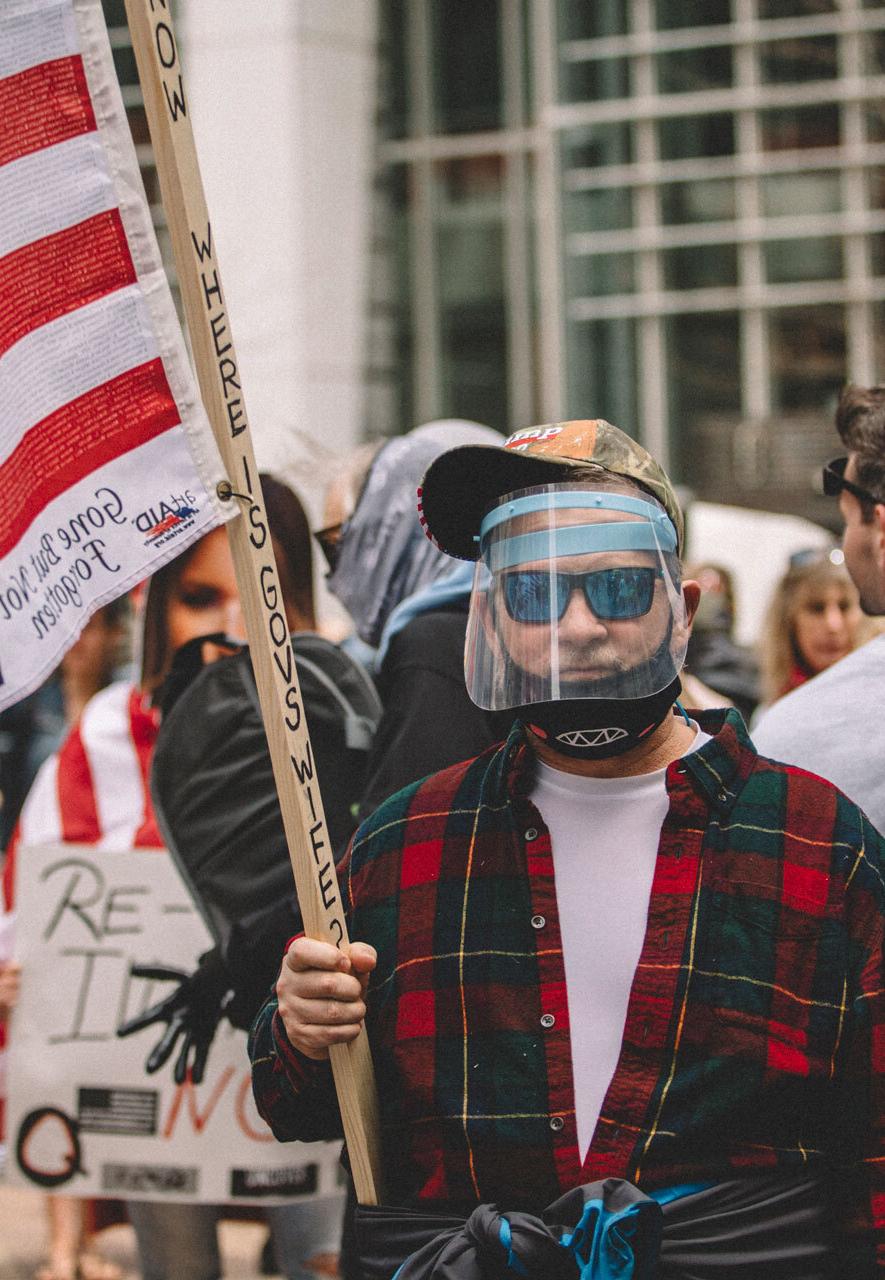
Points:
[(604, 834), (834, 725)]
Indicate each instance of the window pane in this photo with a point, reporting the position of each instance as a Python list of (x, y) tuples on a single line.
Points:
[(875, 118), (785, 194), (590, 21), (794, 8), (595, 275), (602, 371), (877, 254), (682, 137), (874, 52), (691, 13), (878, 310), (596, 146), (608, 209), (784, 128), (876, 188), (138, 126), (807, 347), (470, 282), (124, 65), (815, 258), (151, 180), (703, 355), (465, 43), (393, 93), (114, 12), (389, 380), (797, 60), (591, 81), (700, 266), (693, 70), (709, 201)]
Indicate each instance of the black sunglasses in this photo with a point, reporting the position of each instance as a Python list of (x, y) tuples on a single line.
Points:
[(329, 542), (835, 482), (613, 594)]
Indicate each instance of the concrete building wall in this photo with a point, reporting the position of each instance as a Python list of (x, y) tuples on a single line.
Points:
[(282, 100)]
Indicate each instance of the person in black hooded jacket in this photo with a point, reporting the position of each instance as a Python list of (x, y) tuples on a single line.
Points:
[(409, 605)]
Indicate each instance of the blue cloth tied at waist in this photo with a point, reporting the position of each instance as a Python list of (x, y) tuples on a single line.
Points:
[(769, 1226), (617, 1237)]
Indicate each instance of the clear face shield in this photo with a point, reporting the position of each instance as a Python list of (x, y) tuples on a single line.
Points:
[(576, 594)]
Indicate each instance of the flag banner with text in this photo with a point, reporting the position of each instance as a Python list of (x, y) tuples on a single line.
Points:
[(108, 465), (83, 1117)]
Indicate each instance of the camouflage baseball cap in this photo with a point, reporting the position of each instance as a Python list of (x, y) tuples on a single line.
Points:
[(461, 485)]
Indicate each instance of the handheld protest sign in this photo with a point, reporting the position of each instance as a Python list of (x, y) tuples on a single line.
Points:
[(159, 70)]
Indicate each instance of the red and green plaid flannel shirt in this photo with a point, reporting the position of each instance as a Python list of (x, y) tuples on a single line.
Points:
[(755, 1032)]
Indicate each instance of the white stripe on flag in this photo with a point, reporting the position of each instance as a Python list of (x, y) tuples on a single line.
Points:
[(41, 816), (68, 357), (31, 38), (76, 173)]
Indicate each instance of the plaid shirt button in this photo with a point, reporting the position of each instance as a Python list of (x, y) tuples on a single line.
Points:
[(538, 922), (532, 833), (547, 1020), (557, 1123)]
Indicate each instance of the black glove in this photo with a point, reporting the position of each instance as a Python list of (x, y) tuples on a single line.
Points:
[(192, 1012)]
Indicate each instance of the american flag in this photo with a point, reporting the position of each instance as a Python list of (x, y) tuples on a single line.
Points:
[(100, 419)]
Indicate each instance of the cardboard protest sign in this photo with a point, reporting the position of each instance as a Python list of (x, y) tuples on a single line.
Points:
[(108, 466), (82, 1115)]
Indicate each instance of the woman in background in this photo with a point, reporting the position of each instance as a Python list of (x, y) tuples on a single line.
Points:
[(813, 619)]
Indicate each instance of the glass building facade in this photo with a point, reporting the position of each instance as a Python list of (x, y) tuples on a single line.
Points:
[(668, 213)]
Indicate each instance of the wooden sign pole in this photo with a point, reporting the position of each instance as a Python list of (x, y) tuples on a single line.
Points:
[(159, 70)]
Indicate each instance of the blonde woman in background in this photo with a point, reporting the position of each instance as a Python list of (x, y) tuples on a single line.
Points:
[(814, 618)]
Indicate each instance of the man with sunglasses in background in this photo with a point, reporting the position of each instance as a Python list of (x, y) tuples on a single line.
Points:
[(618, 958), (834, 724)]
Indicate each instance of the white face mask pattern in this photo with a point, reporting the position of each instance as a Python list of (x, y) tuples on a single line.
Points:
[(577, 595)]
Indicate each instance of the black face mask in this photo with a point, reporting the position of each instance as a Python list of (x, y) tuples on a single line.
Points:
[(598, 728)]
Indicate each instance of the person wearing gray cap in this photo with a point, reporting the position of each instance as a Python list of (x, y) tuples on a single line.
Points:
[(621, 976)]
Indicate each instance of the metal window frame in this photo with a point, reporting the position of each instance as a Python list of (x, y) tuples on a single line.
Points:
[(537, 178)]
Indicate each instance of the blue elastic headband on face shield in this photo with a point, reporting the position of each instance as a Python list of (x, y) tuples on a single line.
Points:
[(655, 533)]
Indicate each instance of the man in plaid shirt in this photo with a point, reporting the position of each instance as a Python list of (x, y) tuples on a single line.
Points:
[(620, 944)]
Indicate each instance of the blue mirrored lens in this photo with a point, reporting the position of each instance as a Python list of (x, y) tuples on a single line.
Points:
[(612, 594), (527, 596), (620, 593)]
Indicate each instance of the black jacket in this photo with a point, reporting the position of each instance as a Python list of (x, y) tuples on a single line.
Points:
[(428, 720)]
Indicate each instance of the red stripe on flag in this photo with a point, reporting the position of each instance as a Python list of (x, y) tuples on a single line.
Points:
[(76, 793), (62, 272), (43, 106), (79, 438), (143, 723)]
